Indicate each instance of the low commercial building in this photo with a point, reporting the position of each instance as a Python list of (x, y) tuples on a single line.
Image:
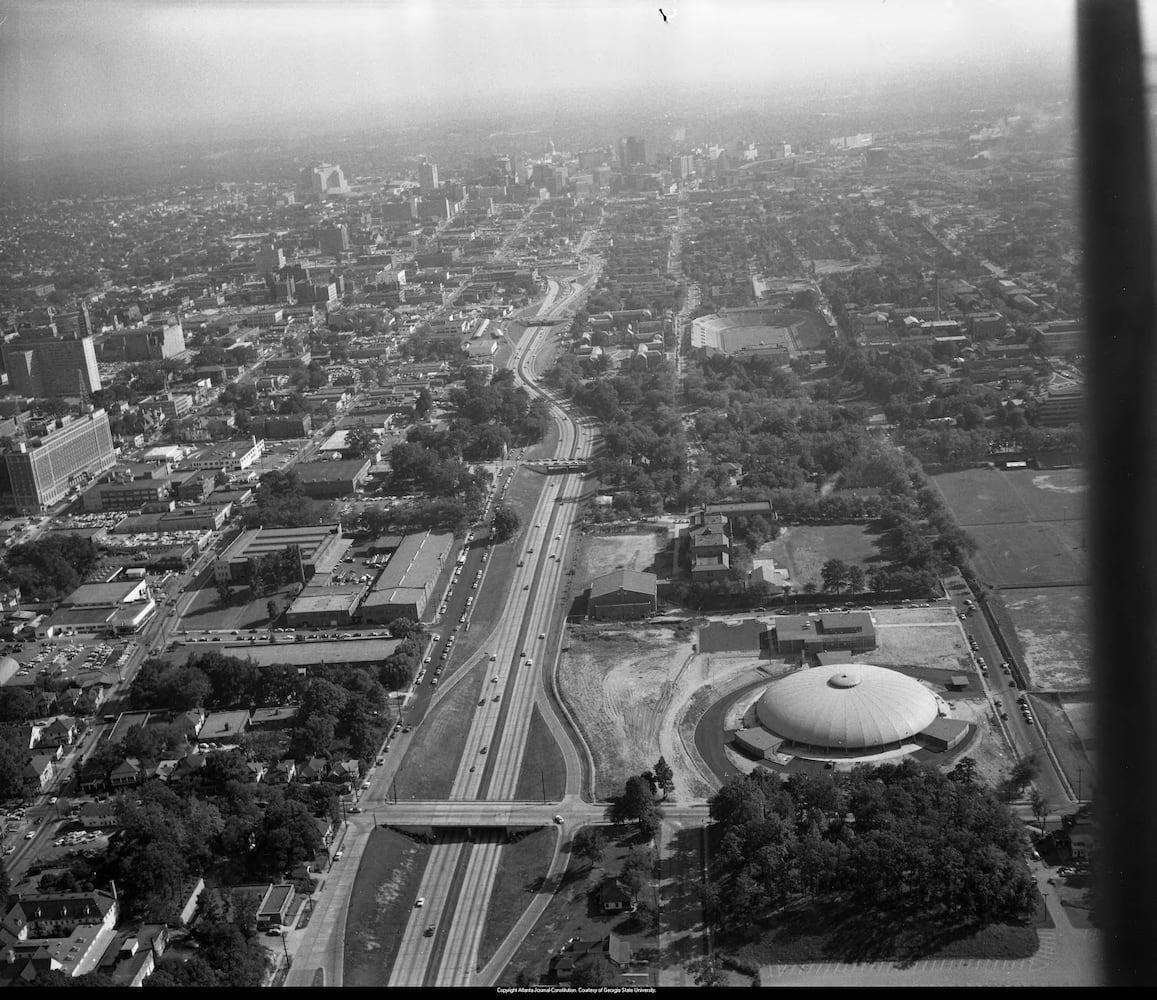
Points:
[(404, 587), (274, 906), (132, 495), (623, 594), (324, 607), (329, 480), (232, 456), (320, 547), (853, 631)]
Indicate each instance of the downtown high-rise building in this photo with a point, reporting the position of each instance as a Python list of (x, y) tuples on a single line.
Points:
[(56, 456), (320, 180), (632, 152), (428, 177), (46, 366)]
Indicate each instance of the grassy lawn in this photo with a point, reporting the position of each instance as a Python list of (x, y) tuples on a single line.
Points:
[(521, 873), (572, 913), (383, 897), (1052, 626), (543, 766), (1030, 554), (428, 769), (803, 549)]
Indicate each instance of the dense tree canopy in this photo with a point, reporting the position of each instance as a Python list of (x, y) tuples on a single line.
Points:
[(896, 837)]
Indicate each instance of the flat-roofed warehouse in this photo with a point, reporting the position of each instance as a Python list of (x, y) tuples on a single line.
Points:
[(853, 631), (324, 607), (321, 547), (622, 594), (331, 479), (404, 587)]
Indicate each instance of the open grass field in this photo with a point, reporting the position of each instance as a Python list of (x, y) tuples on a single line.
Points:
[(1026, 555), (427, 771), (1069, 722), (522, 868), (803, 549), (993, 496), (381, 903), (1052, 625), (543, 766)]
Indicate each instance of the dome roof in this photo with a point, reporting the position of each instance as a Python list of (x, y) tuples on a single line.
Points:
[(846, 705)]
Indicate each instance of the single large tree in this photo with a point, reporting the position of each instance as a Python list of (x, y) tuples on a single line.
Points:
[(589, 845), (506, 523)]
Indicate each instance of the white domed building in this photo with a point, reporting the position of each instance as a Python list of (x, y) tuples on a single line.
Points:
[(847, 710)]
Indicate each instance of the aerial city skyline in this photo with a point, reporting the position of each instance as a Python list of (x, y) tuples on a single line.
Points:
[(543, 494)]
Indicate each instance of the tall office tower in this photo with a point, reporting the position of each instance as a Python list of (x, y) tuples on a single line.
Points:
[(632, 152), (334, 240), (52, 366), (428, 177), (320, 180), (66, 452), (268, 258)]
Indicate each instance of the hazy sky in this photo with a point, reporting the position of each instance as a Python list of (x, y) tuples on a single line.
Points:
[(85, 65)]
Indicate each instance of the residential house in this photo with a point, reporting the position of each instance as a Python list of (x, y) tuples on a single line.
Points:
[(127, 773), (258, 769), (345, 772), (614, 948), (314, 769), (38, 773), (99, 815), (613, 898), (283, 773), (60, 731), (93, 778)]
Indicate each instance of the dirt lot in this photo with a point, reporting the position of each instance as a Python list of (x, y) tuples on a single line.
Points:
[(602, 553), (626, 685), (925, 637), (804, 548), (1052, 625)]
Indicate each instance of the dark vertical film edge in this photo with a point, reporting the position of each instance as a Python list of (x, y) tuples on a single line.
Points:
[(1118, 260)]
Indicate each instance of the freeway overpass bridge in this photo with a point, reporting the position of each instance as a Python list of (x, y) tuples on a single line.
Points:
[(427, 819)]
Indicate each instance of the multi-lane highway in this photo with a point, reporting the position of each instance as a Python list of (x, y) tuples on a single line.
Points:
[(457, 884), (440, 943)]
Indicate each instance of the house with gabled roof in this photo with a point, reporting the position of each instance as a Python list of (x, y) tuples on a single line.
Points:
[(64, 931), (127, 773), (314, 769)]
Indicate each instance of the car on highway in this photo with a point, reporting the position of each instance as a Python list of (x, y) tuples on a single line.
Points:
[(420, 902), (481, 701), (493, 657), (530, 663), (542, 635), (429, 931), (483, 750)]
